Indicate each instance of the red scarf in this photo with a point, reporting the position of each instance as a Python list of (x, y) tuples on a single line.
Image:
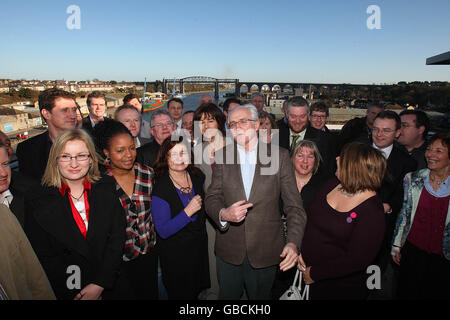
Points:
[(76, 215)]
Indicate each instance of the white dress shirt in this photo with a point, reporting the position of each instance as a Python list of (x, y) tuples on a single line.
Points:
[(385, 151), (6, 198)]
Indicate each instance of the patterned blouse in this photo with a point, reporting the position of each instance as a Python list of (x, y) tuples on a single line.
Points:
[(140, 232)]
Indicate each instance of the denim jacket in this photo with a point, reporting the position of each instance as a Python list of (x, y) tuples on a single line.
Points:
[(413, 184)]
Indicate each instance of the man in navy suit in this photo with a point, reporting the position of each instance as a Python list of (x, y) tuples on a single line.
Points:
[(96, 102), (385, 131)]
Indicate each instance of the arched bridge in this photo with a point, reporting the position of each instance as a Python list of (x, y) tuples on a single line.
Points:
[(199, 79)]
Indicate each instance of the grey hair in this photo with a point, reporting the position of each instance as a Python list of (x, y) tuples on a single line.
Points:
[(253, 111), (159, 113), (297, 102)]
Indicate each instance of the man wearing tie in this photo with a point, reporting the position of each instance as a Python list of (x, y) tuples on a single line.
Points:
[(299, 128)]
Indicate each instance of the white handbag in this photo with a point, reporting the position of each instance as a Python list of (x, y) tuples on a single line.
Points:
[(295, 291)]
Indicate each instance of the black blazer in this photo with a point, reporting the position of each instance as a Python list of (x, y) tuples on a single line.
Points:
[(58, 242), (19, 186), (32, 155), (146, 154), (87, 125), (325, 142), (399, 164)]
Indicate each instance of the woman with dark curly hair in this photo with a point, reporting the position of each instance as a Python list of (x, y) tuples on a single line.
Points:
[(134, 184)]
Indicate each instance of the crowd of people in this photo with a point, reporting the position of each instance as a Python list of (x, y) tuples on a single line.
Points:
[(224, 203)]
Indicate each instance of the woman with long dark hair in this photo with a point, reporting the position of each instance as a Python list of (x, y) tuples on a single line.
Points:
[(209, 120), (179, 215)]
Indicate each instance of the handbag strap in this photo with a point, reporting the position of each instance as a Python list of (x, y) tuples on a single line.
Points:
[(299, 277)]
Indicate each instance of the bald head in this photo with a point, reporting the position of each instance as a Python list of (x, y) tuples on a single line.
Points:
[(204, 99)]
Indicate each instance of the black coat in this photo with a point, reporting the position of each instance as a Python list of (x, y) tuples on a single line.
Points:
[(184, 255), (146, 154), (399, 164), (58, 242), (32, 155), (87, 125), (18, 187)]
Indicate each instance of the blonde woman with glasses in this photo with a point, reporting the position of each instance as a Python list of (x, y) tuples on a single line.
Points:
[(74, 221)]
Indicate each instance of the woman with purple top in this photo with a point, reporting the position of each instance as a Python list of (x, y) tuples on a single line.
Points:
[(179, 216), (345, 227)]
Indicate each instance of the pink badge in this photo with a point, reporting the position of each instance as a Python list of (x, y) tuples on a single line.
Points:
[(353, 215)]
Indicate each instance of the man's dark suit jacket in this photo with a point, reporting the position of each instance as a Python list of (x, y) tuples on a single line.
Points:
[(325, 143), (146, 154), (18, 187), (87, 125), (399, 164), (32, 155)]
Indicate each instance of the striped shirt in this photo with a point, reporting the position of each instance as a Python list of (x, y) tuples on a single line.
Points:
[(140, 231)]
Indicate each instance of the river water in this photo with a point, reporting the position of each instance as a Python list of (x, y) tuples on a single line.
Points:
[(190, 102)]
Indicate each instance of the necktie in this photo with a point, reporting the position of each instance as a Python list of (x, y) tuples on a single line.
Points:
[(294, 141)]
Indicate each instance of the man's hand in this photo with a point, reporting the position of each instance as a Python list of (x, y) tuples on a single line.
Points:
[(236, 212), (290, 255), (90, 292)]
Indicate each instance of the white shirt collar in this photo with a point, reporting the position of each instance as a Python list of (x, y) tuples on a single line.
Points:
[(386, 151), (6, 198)]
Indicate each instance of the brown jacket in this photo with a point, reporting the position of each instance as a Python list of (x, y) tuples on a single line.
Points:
[(21, 274), (260, 235)]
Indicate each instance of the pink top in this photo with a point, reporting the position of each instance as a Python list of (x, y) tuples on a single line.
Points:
[(427, 230)]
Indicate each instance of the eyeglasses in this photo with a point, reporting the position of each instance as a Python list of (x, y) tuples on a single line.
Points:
[(78, 158), (163, 125), (314, 116), (241, 123), (383, 131)]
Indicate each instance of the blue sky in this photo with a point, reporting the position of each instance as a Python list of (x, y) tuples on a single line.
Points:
[(301, 41)]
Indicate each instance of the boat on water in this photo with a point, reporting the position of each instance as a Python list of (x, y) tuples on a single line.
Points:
[(152, 105), (177, 94), (153, 101)]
